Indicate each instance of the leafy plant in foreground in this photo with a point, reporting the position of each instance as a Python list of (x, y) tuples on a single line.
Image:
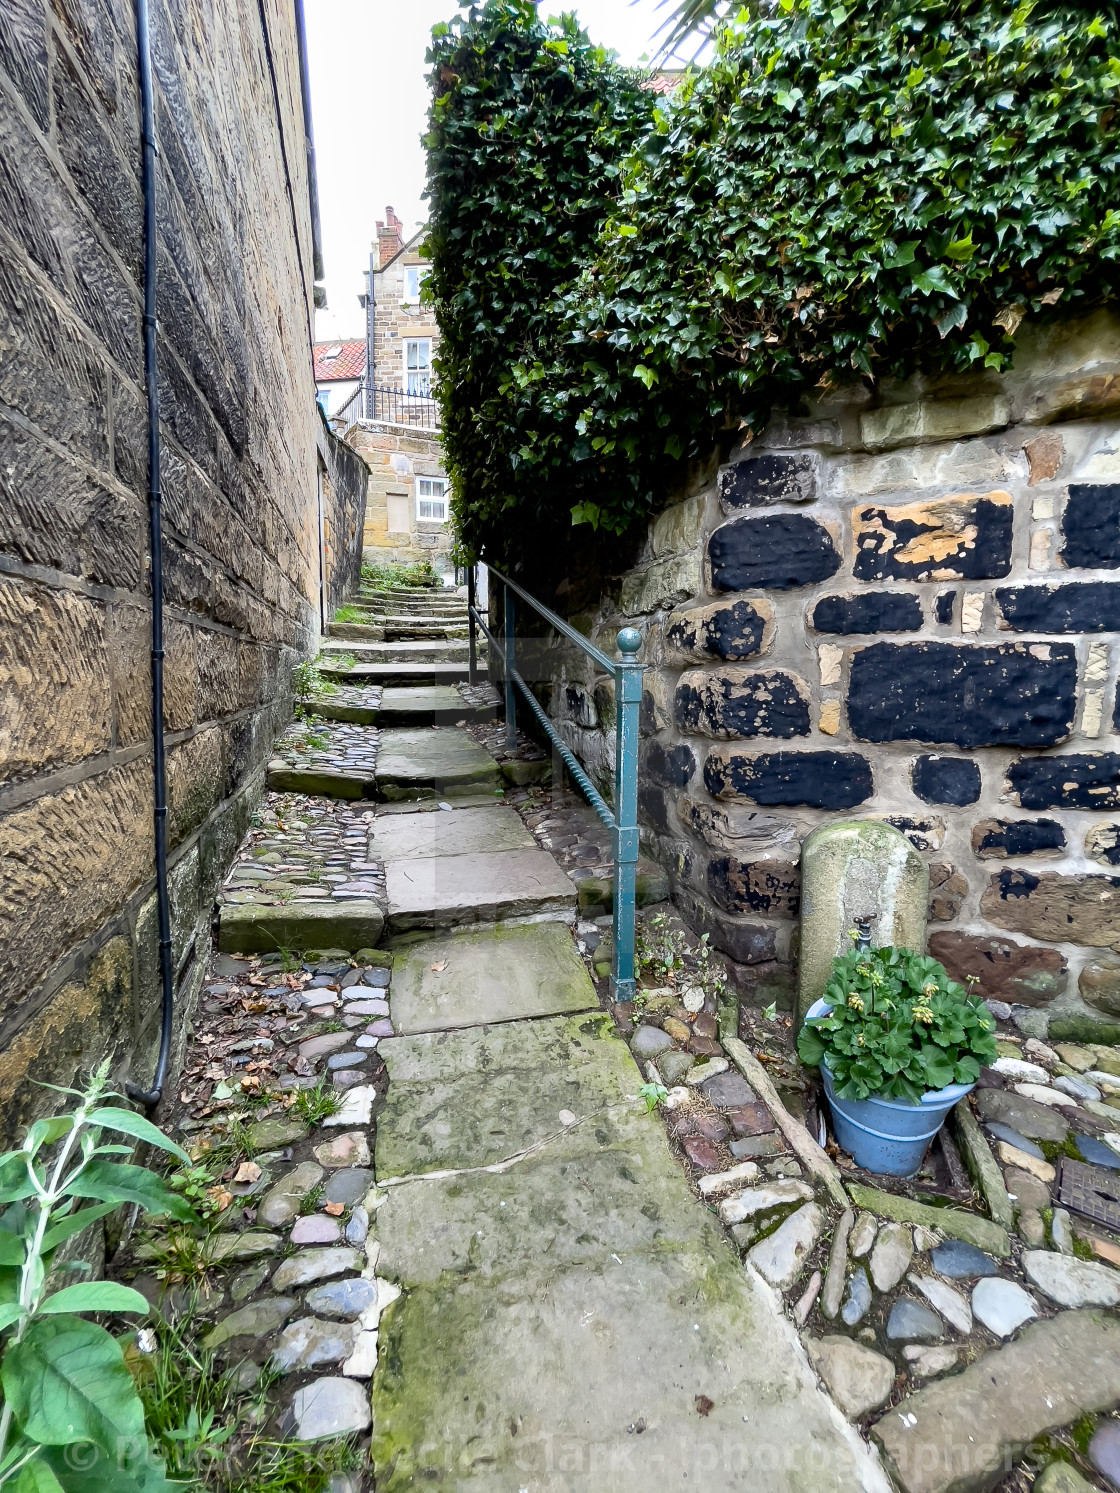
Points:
[(898, 1027), (72, 1418)]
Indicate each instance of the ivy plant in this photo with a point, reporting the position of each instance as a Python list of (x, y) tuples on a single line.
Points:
[(898, 1027), (845, 193), (72, 1418)]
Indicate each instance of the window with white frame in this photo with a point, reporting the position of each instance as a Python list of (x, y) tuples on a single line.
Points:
[(431, 499), (414, 277), (418, 365)]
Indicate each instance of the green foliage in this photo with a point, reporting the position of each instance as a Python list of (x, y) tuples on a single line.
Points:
[(530, 126), (663, 953), (898, 1027), (351, 613), (392, 576), (65, 1381), (213, 1432), (846, 192), (313, 1106), (652, 1094), (308, 682)]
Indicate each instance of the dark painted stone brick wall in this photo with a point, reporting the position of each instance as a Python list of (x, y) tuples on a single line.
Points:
[(968, 695), (901, 602), (241, 525)]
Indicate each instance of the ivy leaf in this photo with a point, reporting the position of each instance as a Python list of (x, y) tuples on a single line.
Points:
[(952, 317), (927, 281), (961, 248)]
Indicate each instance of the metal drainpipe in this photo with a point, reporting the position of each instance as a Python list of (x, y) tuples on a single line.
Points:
[(151, 1097)]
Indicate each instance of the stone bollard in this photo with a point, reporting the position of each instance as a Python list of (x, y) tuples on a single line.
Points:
[(856, 869)]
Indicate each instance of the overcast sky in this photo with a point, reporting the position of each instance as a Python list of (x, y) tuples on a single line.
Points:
[(369, 100)]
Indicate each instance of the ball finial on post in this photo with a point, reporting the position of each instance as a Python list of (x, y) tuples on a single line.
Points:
[(629, 640)]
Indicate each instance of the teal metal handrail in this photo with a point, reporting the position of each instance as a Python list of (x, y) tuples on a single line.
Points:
[(622, 820)]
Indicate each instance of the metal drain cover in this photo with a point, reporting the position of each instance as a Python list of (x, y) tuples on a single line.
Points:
[(1091, 1191)]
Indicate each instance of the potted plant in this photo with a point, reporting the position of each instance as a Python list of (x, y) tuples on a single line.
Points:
[(898, 1044)]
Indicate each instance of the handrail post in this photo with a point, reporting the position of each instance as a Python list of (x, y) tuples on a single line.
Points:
[(472, 655), (628, 701), (510, 665)]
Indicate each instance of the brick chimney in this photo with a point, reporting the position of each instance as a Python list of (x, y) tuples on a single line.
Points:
[(389, 238)]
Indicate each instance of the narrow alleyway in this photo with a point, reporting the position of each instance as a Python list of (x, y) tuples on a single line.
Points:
[(547, 1303)]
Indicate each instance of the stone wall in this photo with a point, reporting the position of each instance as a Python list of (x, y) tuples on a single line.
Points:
[(343, 485), (78, 957), (396, 456), (903, 608)]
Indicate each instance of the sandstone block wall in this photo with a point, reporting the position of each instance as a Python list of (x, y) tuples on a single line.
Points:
[(902, 608), (397, 455), (78, 967)]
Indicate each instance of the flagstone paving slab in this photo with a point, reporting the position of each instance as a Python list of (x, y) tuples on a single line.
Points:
[(502, 974), (595, 1187), (414, 764), (433, 705), (447, 891), (458, 832), (475, 1097), (560, 1319)]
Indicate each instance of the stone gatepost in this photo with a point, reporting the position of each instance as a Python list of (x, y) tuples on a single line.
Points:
[(858, 868)]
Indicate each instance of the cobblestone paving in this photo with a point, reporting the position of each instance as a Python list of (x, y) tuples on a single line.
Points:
[(307, 849), (335, 745)]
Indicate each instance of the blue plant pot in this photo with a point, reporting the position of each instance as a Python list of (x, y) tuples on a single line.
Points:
[(888, 1136)]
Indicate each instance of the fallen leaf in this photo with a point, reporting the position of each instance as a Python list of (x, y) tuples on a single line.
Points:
[(248, 1171), (220, 1197), (704, 1406), (440, 967), (334, 1209)]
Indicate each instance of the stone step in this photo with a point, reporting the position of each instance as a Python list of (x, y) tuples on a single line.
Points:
[(356, 632), (327, 782), (253, 928), (423, 635), (405, 675), (458, 832), (499, 974), (437, 762), (434, 705), (451, 891), (390, 653)]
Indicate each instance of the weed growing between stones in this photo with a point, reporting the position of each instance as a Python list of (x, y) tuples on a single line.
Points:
[(211, 1429), (307, 682), (313, 1106), (663, 956)]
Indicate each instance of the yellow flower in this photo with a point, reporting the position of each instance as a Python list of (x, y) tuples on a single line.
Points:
[(855, 1000)]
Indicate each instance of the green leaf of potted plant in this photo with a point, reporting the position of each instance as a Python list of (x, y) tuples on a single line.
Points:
[(898, 1044)]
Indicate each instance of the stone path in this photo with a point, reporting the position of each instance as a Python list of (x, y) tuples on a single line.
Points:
[(493, 1229)]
